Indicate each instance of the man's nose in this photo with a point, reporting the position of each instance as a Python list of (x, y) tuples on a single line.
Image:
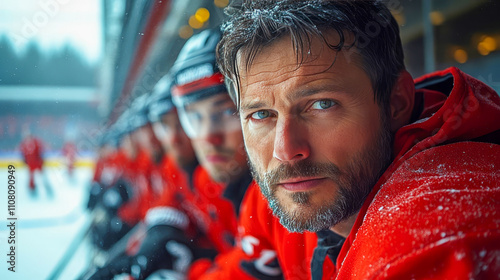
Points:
[(212, 133), (290, 142), (215, 138)]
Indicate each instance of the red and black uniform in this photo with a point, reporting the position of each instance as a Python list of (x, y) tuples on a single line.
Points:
[(111, 189), (179, 204), (165, 206), (109, 168), (138, 173), (105, 174), (432, 215), (265, 249), (102, 161), (186, 223), (32, 150), (209, 215)]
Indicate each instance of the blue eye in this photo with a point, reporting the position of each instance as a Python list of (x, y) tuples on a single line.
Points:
[(323, 104), (259, 115)]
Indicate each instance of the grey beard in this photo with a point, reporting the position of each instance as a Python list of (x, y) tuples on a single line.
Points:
[(347, 202), (293, 222)]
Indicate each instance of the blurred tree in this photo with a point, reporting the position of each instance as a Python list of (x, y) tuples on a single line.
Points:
[(29, 64), (62, 67), (9, 63)]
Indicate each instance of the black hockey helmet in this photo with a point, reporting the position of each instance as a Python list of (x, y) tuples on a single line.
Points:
[(197, 79), (195, 72), (161, 99), (138, 112)]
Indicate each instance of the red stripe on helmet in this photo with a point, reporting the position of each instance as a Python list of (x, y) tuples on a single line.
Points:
[(214, 80)]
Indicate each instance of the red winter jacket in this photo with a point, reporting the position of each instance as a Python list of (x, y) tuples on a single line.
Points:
[(432, 215)]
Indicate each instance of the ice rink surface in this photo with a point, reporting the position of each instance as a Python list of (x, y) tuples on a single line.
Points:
[(48, 221)]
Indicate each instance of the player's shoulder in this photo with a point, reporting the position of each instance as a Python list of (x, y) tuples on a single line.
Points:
[(443, 177), (448, 190), (451, 167), (436, 198)]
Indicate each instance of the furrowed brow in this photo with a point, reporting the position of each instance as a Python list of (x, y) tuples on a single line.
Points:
[(303, 93), (251, 106), (314, 90), (244, 107)]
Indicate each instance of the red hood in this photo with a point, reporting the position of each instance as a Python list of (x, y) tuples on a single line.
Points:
[(470, 111)]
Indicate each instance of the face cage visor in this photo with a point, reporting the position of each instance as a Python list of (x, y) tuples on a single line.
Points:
[(165, 129), (214, 114)]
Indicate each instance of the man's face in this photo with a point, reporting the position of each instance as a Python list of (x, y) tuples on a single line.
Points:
[(145, 139), (316, 139), (216, 137), (128, 146), (142, 137), (173, 138)]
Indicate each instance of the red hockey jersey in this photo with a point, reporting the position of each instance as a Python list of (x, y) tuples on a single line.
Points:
[(214, 214), (265, 249), (202, 211), (139, 175), (32, 149)]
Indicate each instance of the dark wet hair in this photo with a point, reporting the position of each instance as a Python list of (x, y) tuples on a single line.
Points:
[(254, 24)]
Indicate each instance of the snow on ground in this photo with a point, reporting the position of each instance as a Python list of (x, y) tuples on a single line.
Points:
[(47, 223)]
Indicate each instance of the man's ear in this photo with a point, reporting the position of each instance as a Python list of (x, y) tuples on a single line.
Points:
[(401, 101)]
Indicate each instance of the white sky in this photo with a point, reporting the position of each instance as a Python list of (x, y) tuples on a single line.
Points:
[(54, 23)]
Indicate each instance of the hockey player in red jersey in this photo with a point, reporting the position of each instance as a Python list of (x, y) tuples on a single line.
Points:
[(112, 188), (397, 178), (127, 193), (32, 151), (69, 152), (208, 204), (107, 169), (207, 114), (165, 221), (108, 148), (179, 160), (148, 153)]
